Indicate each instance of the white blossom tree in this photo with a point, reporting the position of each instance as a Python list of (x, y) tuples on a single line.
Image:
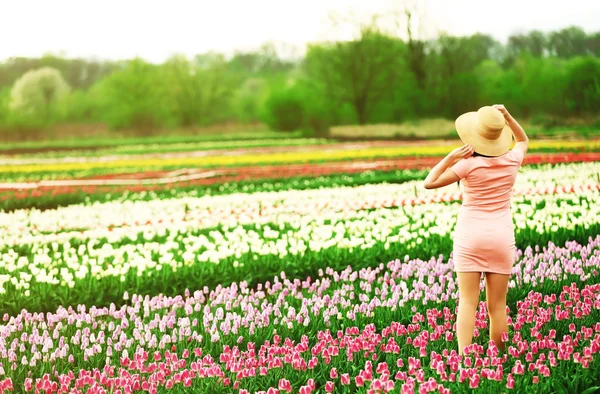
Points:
[(38, 91)]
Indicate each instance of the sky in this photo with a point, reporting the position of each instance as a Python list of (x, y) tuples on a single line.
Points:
[(155, 30)]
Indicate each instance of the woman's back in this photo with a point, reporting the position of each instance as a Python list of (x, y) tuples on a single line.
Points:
[(484, 236), (488, 181)]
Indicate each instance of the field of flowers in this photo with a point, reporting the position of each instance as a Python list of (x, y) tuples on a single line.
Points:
[(336, 278), (44, 182)]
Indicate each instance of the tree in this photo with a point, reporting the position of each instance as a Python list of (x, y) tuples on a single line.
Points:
[(534, 43), (217, 86), (568, 42), (264, 61), (593, 44), (132, 97), (38, 92), (79, 73), (358, 72), (197, 92), (583, 86), (183, 92), (451, 64)]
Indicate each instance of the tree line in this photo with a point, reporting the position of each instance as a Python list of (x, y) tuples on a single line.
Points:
[(375, 78)]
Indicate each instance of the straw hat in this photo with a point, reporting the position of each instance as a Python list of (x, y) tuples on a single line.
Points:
[(486, 130)]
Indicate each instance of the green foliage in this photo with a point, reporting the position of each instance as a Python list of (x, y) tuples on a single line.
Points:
[(533, 43), (568, 42), (78, 106), (286, 110), (583, 85), (264, 62), (298, 105), (197, 92), (318, 113), (359, 73), (544, 120), (4, 102), (532, 85), (132, 97), (249, 99), (452, 83)]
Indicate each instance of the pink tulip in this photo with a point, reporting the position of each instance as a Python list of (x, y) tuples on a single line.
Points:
[(518, 369), (474, 381), (359, 381), (329, 387), (381, 367), (285, 385), (305, 390), (510, 381), (376, 385), (345, 379), (333, 374), (389, 385)]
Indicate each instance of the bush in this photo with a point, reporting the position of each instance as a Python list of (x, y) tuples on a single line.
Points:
[(78, 106), (285, 110)]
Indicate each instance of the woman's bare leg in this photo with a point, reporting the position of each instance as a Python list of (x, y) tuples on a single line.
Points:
[(496, 289), (468, 287)]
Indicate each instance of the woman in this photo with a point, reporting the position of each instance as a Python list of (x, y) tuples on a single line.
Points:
[(484, 240)]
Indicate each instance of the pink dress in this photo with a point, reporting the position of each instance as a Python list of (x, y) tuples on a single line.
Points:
[(484, 237)]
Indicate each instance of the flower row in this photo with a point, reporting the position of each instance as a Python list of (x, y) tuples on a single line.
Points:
[(243, 208), (267, 156), (63, 259)]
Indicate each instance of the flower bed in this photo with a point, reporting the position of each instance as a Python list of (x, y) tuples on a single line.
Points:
[(92, 254), (380, 329), (248, 179), (17, 169)]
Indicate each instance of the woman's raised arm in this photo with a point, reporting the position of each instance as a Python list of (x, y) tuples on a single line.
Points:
[(520, 136)]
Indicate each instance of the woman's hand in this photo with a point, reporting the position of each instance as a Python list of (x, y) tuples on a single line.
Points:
[(518, 132), (461, 153), (442, 175), (502, 110)]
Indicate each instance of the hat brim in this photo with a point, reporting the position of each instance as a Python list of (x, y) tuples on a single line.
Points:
[(466, 127)]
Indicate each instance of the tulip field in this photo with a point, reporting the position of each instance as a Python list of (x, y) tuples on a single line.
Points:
[(275, 269)]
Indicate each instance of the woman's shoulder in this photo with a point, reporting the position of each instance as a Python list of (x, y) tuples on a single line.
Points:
[(515, 154), (512, 156)]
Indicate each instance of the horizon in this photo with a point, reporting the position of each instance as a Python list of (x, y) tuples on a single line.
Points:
[(150, 31)]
